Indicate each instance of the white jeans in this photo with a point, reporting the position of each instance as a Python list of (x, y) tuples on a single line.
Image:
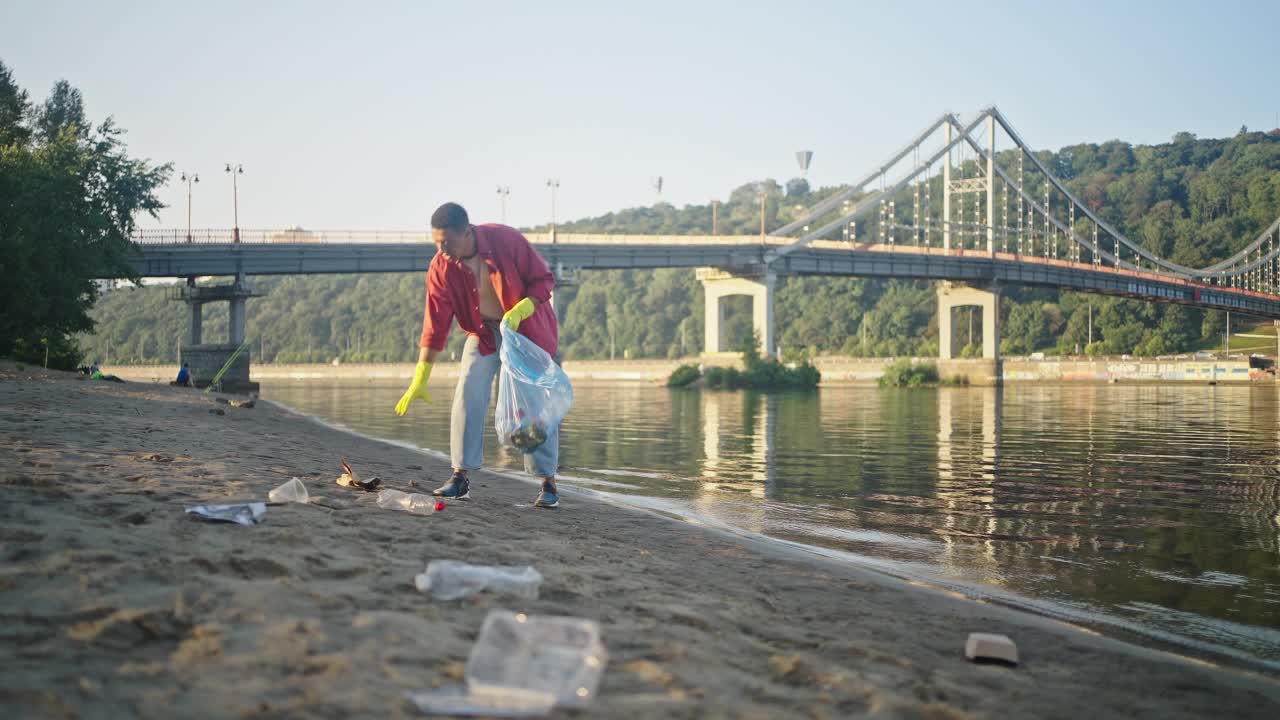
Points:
[(470, 408)]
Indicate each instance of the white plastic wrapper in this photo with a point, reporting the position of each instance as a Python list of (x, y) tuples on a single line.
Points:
[(458, 701), (239, 513)]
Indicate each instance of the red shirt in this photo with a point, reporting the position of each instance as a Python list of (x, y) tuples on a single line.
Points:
[(516, 270)]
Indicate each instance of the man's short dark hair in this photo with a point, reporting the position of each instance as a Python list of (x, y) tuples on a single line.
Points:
[(450, 216)]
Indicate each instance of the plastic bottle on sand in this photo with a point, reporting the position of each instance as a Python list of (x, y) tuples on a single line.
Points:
[(411, 502), (451, 579)]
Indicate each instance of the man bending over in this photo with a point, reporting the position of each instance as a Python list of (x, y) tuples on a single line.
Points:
[(483, 275)]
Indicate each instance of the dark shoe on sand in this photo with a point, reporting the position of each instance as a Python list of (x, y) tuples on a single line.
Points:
[(548, 497), (458, 488)]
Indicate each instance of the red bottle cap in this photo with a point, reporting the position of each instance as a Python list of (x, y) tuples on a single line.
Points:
[(439, 506)]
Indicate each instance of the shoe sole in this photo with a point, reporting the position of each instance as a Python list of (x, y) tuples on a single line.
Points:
[(549, 506)]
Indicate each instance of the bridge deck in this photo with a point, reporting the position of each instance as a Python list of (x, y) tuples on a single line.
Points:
[(323, 253)]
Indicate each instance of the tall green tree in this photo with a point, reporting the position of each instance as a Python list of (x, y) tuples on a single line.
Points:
[(68, 198), (62, 110), (15, 110)]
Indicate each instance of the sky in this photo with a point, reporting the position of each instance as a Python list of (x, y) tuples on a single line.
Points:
[(368, 115)]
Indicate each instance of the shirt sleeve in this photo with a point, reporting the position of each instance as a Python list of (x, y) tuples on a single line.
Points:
[(537, 277), (437, 316)]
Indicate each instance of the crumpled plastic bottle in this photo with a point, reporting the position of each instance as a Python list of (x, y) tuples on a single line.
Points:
[(410, 502), (451, 580)]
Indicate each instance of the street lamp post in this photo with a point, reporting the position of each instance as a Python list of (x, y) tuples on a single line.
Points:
[(189, 178), (1090, 325), (715, 218), (503, 192), (554, 184), (1226, 339), (761, 195), (234, 170)]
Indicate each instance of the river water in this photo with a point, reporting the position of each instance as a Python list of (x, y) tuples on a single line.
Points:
[(1148, 509)]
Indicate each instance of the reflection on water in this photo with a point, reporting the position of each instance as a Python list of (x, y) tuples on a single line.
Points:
[(1154, 507)]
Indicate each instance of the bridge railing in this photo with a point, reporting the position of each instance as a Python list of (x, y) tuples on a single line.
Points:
[(609, 239), (167, 236)]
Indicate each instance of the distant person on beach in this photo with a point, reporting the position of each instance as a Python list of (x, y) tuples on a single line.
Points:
[(184, 376), (483, 275), (95, 373)]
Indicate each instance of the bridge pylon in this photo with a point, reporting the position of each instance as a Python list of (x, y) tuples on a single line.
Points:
[(718, 284), (953, 295), (206, 359)]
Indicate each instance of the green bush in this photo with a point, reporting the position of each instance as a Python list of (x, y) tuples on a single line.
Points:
[(905, 373), (684, 375), (763, 375), (722, 378)]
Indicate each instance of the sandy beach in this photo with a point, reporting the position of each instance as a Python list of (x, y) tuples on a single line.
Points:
[(117, 604)]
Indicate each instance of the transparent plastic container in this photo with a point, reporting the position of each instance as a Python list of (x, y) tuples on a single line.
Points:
[(292, 491), (451, 580), (529, 659), (409, 502)]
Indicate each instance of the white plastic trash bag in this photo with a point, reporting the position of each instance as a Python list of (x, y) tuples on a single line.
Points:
[(534, 393)]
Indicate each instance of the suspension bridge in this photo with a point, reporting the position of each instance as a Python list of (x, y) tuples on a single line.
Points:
[(969, 204)]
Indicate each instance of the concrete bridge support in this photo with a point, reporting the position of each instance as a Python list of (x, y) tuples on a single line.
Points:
[(953, 295), (197, 321), (235, 329), (718, 285), (207, 359)]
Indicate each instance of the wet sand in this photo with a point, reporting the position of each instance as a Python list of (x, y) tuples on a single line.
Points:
[(114, 603)]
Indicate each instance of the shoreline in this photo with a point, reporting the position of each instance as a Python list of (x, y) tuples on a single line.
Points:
[(836, 371), (115, 602)]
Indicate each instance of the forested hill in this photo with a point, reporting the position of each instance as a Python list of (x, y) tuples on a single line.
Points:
[(1190, 200)]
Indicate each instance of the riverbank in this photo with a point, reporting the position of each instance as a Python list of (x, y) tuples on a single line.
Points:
[(116, 603), (835, 370)]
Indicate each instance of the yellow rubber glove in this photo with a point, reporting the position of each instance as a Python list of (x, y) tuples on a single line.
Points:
[(519, 313), (417, 389)]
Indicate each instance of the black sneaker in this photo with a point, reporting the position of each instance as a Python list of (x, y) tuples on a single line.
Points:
[(458, 487), (548, 497)]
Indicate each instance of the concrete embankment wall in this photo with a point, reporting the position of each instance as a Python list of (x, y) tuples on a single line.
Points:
[(603, 371), (835, 370), (1133, 370)]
